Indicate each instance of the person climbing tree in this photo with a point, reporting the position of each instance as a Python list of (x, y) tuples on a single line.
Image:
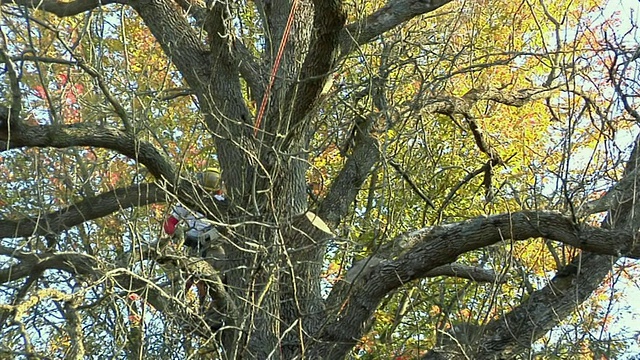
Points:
[(200, 236), (199, 232)]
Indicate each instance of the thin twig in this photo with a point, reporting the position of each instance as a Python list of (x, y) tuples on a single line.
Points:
[(412, 184)]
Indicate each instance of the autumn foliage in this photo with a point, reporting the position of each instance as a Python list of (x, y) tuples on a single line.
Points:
[(432, 127)]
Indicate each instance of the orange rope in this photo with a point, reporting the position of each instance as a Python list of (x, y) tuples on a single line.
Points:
[(276, 65)]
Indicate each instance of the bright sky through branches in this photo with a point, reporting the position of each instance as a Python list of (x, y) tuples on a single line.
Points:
[(628, 308)]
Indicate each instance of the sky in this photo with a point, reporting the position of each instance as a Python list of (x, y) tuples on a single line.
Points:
[(628, 308)]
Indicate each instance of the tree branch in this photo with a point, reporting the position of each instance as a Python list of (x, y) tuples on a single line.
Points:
[(248, 65), (85, 134), (412, 184), (16, 94), (453, 105), (213, 75), (178, 39), (438, 246), (88, 209), (394, 13), (226, 113), (473, 273), (328, 21), (251, 71), (364, 267), (545, 308), (60, 8), (89, 266), (517, 98), (346, 186), (513, 333), (31, 262), (572, 285)]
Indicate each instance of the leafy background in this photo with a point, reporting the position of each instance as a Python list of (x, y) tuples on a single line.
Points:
[(557, 151)]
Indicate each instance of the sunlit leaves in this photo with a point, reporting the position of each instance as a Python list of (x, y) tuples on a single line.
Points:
[(78, 70), (433, 95), (479, 46)]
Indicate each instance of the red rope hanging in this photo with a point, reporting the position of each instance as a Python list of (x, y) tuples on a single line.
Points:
[(274, 69)]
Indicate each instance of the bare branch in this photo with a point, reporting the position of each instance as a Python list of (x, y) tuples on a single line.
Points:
[(452, 105), (394, 13), (328, 21), (85, 134), (412, 184), (619, 194), (346, 186), (516, 98), (364, 267), (196, 8), (473, 273), (88, 209), (438, 246), (61, 8), (168, 94)]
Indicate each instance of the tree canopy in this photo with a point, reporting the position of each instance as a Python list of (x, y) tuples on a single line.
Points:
[(403, 179)]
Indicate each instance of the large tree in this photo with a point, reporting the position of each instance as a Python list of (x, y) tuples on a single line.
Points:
[(404, 177)]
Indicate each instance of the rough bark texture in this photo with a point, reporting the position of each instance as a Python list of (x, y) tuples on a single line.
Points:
[(273, 290)]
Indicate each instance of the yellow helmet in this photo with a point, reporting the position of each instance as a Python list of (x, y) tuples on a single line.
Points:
[(210, 179)]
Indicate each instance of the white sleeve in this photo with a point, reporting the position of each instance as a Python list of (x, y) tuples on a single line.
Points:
[(192, 219), (180, 212)]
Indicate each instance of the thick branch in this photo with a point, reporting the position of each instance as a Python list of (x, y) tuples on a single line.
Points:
[(347, 184), (328, 21), (89, 266), (453, 105), (442, 245), (545, 308), (251, 71), (31, 262), (394, 13), (473, 273), (515, 98), (515, 331), (61, 8), (248, 65), (364, 267), (213, 74), (84, 134), (177, 38), (88, 209)]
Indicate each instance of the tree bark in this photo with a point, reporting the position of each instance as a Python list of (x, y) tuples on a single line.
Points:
[(272, 295)]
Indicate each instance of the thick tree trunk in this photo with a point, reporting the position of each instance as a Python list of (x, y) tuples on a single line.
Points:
[(274, 253)]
